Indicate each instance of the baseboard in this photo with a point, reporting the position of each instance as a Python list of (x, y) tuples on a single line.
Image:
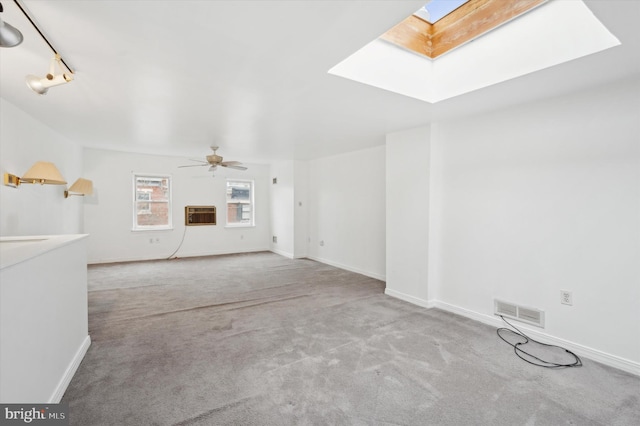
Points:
[(348, 268), (283, 253), (407, 298), (593, 354), (71, 370), (194, 254)]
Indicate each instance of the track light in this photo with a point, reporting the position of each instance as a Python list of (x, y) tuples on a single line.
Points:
[(9, 35), (42, 85)]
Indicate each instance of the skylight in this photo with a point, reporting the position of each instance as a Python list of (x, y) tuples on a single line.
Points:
[(435, 10), (571, 31), (458, 22)]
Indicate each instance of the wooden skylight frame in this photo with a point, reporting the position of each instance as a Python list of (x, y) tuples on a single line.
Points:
[(467, 22)]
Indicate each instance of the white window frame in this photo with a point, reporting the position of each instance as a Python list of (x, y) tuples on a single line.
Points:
[(134, 209), (252, 223)]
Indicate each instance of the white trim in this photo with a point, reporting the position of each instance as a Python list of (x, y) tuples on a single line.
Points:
[(154, 229), (194, 254), (71, 370), (348, 268), (593, 354), (283, 253), (408, 298)]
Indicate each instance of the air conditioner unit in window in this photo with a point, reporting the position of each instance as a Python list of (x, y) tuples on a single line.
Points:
[(199, 215)]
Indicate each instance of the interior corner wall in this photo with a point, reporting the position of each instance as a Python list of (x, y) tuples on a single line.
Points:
[(37, 209), (542, 198), (109, 213), (407, 214), (282, 208), (301, 208), (347, 211)]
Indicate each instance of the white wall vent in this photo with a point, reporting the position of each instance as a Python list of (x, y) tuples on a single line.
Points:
[(519, 313)]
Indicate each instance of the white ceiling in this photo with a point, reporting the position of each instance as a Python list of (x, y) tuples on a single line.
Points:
[(499, 55), (173, 77)]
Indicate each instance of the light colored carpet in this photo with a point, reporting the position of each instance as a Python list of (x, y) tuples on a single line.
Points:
[(258, 339)]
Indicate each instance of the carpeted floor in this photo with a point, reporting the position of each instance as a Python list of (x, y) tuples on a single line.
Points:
[(258, 339)]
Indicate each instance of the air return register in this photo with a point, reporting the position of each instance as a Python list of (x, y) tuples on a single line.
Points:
[(520, 313), (199, 215)]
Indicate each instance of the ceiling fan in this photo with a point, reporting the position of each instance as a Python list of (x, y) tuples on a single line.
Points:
[(214, 160)]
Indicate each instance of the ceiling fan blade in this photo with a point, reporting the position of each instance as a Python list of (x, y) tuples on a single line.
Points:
[(230, 163), (199, 161), (194, 165), (234, 167)]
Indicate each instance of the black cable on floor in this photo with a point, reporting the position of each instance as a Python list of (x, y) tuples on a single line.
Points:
[(179, 245), (520, 352)]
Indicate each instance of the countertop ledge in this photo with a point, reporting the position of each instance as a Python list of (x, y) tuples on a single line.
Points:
[(14, 250)]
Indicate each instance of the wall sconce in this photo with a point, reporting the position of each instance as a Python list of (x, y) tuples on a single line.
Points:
[(42, 85), (42, 172), (9, 35), (80, 187)]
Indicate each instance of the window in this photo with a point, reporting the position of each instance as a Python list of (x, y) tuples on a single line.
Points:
[(240, 203), (151, 202)]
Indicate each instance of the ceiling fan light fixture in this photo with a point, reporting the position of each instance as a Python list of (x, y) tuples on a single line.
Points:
[(10, 36), (214, 160)]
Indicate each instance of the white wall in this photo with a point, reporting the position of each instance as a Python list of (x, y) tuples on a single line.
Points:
[(108, 218), (347, 211), (35, 209), (543, 198), (407, 214), (43, 320), (282, 208)]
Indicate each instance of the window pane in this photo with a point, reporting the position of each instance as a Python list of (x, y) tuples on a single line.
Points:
[(144, 208), (153, 214), (156, 187)]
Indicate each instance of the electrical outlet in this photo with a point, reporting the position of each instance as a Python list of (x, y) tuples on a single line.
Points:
[(322, 243), (566, 297), (275, 239)]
